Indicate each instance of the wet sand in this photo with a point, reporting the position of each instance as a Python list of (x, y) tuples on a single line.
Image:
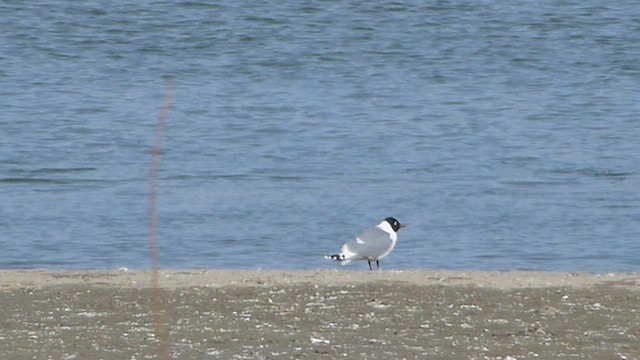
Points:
[(329, 314)]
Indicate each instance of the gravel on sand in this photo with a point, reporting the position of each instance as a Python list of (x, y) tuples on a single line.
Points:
[(217, 314)]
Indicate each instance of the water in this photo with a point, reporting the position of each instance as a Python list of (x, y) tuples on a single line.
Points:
[(505, 133)]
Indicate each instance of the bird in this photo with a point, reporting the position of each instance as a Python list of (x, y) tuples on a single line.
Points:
[(372, 245)]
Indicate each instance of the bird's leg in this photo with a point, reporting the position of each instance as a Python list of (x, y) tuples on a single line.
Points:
[(378, 263), (369, 261)]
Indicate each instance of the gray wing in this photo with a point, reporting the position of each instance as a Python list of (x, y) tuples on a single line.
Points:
[(369, 245)]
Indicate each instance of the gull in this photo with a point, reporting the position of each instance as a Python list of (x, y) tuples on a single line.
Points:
[(372, 245)]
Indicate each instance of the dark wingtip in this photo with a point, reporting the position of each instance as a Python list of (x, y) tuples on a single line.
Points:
[(336, 257)]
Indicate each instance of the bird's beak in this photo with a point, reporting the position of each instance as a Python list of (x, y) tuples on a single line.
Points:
[(403, 225)]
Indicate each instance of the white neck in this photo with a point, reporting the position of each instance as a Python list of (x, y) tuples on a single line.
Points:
[(386, 227)]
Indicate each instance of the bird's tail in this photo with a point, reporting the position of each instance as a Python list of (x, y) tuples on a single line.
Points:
[(339, 258)]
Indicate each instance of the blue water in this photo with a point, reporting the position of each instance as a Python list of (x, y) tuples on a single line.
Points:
[(505, 133)]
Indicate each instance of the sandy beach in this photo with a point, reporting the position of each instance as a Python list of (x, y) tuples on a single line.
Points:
[(212, 314)]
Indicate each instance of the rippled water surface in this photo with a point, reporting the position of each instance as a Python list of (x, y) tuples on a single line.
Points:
[(505, 133)]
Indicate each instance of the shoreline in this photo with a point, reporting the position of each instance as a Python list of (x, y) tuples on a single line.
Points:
[(171, 279), (212, 314)]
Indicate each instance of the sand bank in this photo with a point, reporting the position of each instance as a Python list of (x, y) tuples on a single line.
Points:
[(211, 314)]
